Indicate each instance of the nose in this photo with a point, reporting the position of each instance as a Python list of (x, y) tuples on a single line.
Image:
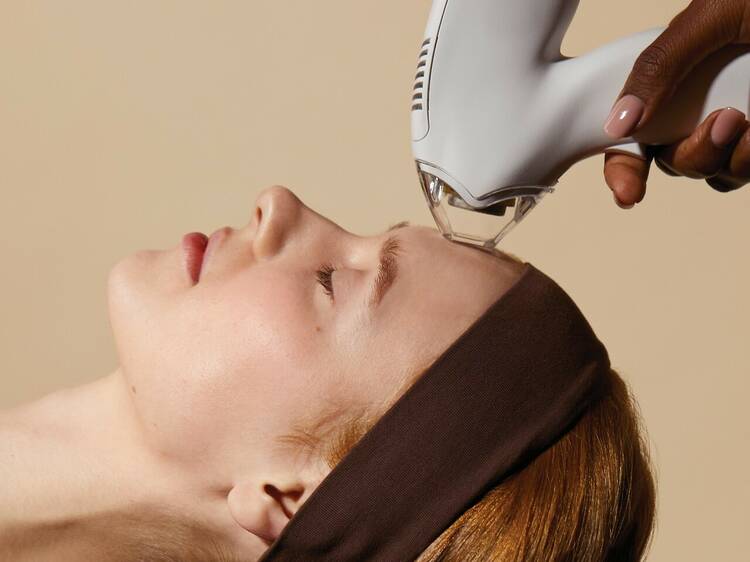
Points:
[(276, 215)]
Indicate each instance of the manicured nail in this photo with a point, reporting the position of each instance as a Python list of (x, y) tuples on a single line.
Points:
[(622, 205), (726, 127), (624, 116)]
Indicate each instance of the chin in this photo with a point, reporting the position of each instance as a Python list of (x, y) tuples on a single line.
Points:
[(127, 281), (139, 291), (147, 275)]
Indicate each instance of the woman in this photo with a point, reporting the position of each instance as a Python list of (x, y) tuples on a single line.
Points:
[(245, 377)]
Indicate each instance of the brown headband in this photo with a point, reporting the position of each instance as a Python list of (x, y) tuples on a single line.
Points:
[(507, 389)]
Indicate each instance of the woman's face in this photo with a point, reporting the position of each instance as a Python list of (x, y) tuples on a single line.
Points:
[(218, 369)]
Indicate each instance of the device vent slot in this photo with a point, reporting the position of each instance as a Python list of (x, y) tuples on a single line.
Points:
[(418, 91)]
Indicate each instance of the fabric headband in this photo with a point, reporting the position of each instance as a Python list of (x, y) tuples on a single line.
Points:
[(508, 388)]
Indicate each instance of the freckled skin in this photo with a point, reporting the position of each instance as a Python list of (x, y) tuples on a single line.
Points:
[(225, 366)]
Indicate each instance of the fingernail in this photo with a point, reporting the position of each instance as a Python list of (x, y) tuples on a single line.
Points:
[(622, 205), (726, 127), (624, 117)]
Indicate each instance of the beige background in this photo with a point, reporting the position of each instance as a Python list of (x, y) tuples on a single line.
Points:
[(124, 125)]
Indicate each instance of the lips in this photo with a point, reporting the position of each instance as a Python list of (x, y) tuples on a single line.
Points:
[(194, 247)]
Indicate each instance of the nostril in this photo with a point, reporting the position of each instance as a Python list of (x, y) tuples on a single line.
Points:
[(275, 216)]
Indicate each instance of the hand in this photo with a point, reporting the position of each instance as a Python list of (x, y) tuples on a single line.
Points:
[(719, 148)]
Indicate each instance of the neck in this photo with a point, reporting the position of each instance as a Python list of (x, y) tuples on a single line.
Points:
[(71, 456)]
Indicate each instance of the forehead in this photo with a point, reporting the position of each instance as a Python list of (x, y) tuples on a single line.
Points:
[(450, 278), (442, 287), (430, 251)]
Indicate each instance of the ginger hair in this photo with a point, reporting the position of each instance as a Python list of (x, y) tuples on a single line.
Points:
[(590, 497)]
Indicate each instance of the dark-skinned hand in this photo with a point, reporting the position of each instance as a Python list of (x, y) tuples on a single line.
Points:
[(719, 148)]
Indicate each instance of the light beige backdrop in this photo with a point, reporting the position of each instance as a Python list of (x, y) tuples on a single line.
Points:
[(124, 125)]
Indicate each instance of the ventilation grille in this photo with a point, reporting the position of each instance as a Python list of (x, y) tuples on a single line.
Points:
[(419, 93)]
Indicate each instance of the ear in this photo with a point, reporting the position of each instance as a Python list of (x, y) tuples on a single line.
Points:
[(263, 507)]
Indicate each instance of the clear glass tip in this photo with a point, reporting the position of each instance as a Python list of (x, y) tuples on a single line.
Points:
[(479, 226)]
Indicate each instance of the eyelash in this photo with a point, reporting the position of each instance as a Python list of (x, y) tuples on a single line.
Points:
[(325, 278)]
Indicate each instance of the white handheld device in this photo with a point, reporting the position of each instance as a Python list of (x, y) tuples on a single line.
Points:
[(498, 114)]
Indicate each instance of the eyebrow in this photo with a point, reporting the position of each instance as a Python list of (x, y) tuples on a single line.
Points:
[(402, 224), (387, 266)]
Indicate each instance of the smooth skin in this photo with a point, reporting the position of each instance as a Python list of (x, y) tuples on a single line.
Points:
[(211, 374), (719, 148)]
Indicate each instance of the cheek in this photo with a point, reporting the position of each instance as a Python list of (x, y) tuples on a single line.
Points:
[(221, 364)]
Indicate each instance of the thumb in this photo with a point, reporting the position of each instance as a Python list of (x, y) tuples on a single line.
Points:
[(704, 27)]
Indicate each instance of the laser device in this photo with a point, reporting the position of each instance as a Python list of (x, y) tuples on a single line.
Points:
[(499, 114)]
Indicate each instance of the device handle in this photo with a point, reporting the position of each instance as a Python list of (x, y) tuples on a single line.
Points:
[(589, 86)]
